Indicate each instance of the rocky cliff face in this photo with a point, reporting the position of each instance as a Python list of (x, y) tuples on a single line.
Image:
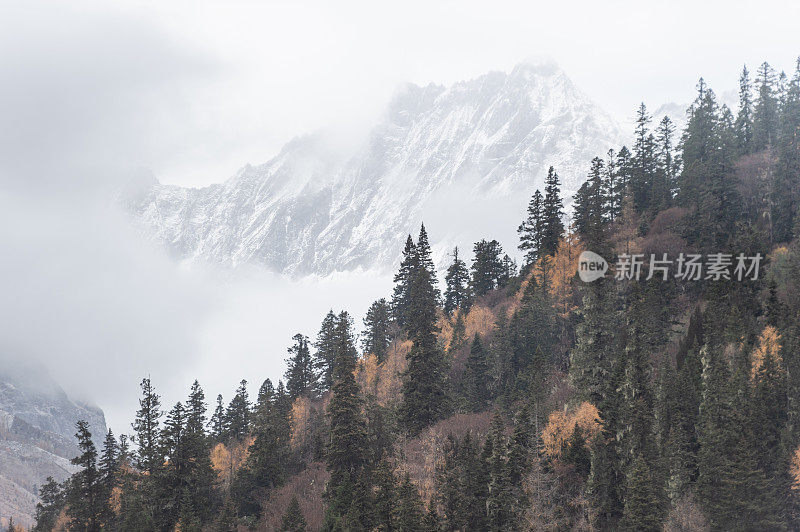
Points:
[(439, 153), (37, 427)]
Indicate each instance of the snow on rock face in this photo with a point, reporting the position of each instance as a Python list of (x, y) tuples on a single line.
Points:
[(484, 142), (37, 428)]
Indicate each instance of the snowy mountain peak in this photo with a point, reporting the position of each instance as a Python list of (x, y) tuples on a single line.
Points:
[(436, 152)]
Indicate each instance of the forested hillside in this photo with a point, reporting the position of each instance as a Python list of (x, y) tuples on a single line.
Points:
[(505, 396)]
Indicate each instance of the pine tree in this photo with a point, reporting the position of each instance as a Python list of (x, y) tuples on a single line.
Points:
[(706, 183), (410, 512), (325, 352), (500, 499), (108, 469), (300, 376), (596, 343), (424, 387), (237, 415), (264, 404), (552, 212), (785, 190), (457, 294), (109, 461), (476, 376), (531, 230), (732, 489), (431, 521), (402, 283), (642, 505), (385, 502), (85, 502), (590, 206), (528, 341), (487, 267), (769, 403), (293, 520), (575, 452), (200, 495), (51, 502), (765, 113), (146, 427), (665, 178), (744, 119), (219, 429), (643, 161), (613, 187), (520, 446), (376, 337), (172, 477), (266, 465), (425, 260), (345, 457), (508, 269)]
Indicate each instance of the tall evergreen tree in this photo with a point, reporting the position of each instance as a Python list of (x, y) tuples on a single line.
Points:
[(785, 189), (424, 387), (410, 512), (267, 462), (457, 294), (219, 429), (173, 476), (425, 260), (765, 113), (731, 487), (590, 206), (300, 376), (487, 267), (293, 520), (531, 230), (613, 187), (376, 337), (200, 495), (597, 342), (109, 462), (345, 458), (665, 178), (552, 212), (325, 352), (643, 161), (51, 502), (108, 469), (85, 502), (643, 509), (146, 427), (402, 283), (500, 497), (744, 119), (476, 376), (237, 415)]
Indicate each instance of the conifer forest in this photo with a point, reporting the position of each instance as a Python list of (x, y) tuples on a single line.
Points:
[(497, 395)]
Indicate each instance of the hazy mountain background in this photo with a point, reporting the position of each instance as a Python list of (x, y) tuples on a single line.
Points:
[(480, 146), (37, 436)]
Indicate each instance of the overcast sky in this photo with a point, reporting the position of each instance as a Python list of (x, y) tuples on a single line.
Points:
[(92, 93)]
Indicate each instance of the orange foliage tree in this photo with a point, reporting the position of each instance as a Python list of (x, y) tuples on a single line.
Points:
[(768, 349), (560, 272), (561, 424), (226, 460), (299, 416)]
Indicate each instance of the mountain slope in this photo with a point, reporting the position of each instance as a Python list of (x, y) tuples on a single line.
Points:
[(438, 150), (37, 427)]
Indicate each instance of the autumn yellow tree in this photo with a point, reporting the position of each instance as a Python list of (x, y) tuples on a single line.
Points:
[(562, 269), (561, 424), (767, 354)]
